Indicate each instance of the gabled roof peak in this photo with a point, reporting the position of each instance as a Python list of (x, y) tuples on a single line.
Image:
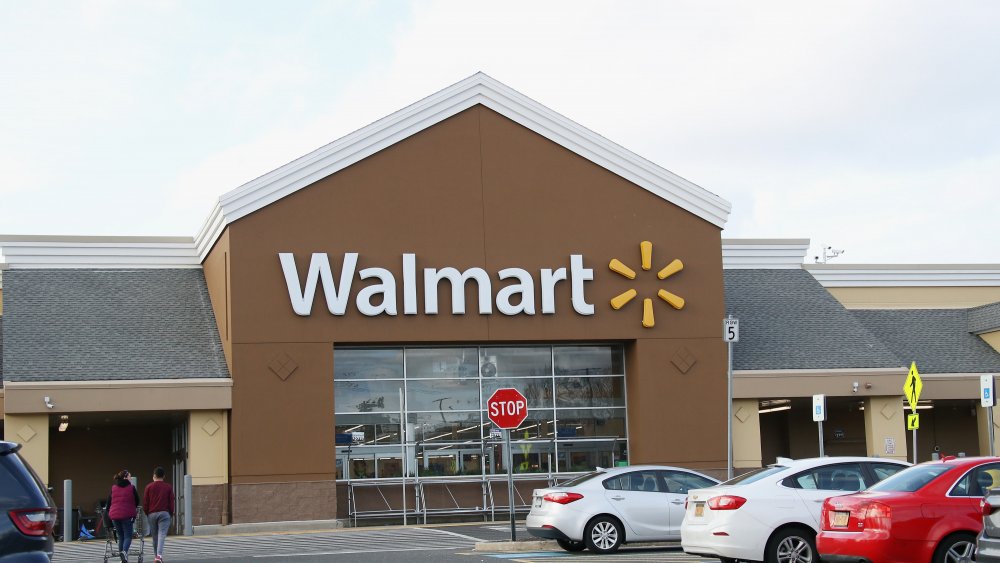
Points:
[(478, 89)]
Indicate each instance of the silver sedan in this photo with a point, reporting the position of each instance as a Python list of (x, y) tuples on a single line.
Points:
[(604, 509)]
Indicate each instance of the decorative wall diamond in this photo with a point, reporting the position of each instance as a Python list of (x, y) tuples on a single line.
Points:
[(683, 360), (210, 427), (888, 411), (283, 365), (27, 433), (742, 414)]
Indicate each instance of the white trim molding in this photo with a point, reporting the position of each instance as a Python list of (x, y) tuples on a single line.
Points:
[(906, 275), (477, 89), (763, 254), (98, 252), (130, 252)]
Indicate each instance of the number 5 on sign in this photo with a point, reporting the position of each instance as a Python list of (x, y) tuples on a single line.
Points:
[(730, 330), (912, 421)]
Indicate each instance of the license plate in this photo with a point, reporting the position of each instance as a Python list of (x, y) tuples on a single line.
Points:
[(538, 501), (699, 509), (840, 519)]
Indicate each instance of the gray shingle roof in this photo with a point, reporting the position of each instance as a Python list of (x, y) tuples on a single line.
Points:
[(73, 325), (937, 339), (985, 318), (789, 321)]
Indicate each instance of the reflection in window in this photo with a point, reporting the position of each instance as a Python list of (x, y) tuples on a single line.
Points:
[(576, 400), (589, 360), (366, 396), (445, 427), (442, 362), (442, 395), (537, 390), (517, 362), (591, 423), (369, 363), (590, 392), (539, 424)]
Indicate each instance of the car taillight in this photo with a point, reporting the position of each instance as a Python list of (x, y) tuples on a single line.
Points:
[(726, 502), (878, 516), (562, 498), (34, 521)]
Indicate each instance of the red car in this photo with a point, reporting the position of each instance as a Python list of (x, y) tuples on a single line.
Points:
[(927, 513)]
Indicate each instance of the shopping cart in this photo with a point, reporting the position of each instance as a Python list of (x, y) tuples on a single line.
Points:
[(111, 551)]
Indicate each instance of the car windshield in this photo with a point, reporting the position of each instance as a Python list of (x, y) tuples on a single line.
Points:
[(911, 478), (755, 475), (581, 479)]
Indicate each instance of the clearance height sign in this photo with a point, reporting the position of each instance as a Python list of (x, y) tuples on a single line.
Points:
[(516, 297)]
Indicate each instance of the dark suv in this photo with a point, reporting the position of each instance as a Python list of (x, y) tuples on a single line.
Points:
[(27, 513)]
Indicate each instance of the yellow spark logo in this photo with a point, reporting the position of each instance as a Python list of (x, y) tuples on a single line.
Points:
[(675, 301)]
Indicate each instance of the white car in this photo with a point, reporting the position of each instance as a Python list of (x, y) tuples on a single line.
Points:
[(772, 514), (609, 507)]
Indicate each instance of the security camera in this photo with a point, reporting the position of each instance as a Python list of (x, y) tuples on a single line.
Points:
[(49, 403), (854, 387)]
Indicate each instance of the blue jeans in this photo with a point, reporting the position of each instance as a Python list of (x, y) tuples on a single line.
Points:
[(124, 530)]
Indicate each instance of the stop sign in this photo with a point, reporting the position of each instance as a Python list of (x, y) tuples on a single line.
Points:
[(507, 408)]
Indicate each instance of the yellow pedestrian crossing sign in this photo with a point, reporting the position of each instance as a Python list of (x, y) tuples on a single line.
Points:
[(912, 421), (913, 386)]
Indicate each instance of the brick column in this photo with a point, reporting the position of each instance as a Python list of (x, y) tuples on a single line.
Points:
[(208, 465)]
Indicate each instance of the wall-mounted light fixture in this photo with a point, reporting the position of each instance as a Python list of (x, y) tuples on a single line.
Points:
[(63, 422)]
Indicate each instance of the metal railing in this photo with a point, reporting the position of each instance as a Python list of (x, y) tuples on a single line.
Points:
[(443, 496)]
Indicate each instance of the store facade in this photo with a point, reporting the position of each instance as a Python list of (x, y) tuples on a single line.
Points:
[(342, 320), (473, 240)]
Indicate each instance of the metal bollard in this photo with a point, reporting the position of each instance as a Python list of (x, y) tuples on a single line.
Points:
[(188, 526), (67, 510)]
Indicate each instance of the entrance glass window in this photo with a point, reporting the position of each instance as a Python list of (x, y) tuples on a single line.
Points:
[(576, 397)]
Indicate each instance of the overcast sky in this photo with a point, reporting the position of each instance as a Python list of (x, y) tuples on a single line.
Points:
[(871, 126)]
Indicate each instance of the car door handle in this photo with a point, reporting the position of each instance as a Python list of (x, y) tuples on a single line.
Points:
[(677, 502), (618, 498)]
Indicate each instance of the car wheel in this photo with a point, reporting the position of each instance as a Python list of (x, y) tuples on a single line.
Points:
[(792, 545), (958, 548), (604, 535), (570, 545)]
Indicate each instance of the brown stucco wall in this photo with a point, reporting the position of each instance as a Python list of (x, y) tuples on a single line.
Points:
[(216, 267), (476, 190)]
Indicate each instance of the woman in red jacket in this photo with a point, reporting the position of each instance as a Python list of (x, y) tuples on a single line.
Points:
[(122, 505)]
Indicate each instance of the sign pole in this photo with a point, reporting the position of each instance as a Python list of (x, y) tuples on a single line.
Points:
[(819, 415), (507, 408), (402, 440), (730, 334), (729, 415), (992, 438), (987, 398), (510, 483), (911, 390)]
